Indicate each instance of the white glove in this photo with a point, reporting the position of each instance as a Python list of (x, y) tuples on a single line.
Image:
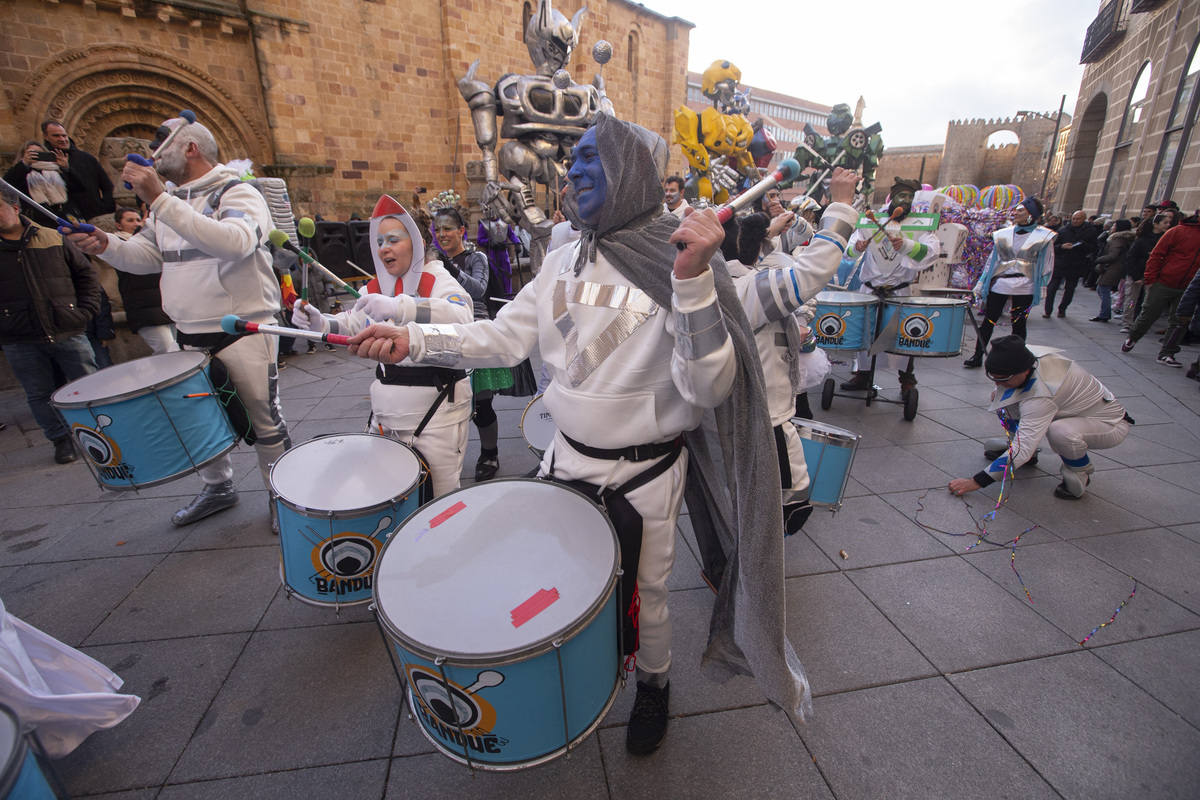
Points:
[(307, 317), (378, 307)]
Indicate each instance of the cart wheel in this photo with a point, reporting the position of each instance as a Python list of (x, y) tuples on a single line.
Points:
[(827, 393), (910, 405)]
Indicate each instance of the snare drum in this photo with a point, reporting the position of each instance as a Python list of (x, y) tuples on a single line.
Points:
[(146, 421), (845, 320), (929, 326), (537, 426), (828, 454), (338, 499), (500, 601), (20, 776)]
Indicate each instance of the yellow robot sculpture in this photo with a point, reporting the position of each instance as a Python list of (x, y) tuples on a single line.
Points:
[(717, 142)]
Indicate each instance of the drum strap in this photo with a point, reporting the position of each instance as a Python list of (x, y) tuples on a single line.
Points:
[(218, 373), (628, 524)]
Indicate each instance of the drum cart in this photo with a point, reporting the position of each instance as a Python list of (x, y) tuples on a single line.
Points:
[(909, 401)]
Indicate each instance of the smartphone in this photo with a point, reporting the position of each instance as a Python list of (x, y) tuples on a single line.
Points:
[(45, 156)]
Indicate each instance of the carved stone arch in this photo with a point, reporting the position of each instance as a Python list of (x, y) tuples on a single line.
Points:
[(127, 90)]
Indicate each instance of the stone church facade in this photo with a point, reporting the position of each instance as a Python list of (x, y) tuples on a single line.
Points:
[(346, 99)]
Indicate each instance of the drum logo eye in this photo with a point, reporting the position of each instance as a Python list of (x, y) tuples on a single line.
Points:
[(831, 326), (452, 711), (102, 451), (917, 326), (348, 555), (95, 445)]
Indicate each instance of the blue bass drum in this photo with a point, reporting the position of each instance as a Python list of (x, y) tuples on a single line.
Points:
[(20, 777), (828, 455), (147, 421), (338, 499), (500, 603), (929, 326), (845, 320)]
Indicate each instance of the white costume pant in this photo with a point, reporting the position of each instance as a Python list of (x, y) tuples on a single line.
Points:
[(797, 490), (658, 502), (251, 364), (1072, 437), (885, 361), (443, 449), (160, 338)]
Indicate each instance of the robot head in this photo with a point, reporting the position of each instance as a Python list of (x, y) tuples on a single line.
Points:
[(840, 119), (719, 83), (551, 37)]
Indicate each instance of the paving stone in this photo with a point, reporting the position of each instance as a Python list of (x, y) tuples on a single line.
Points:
[(974, 423), (843, 640), (1076, 592), (436, 777), (1185, 476), (740, 753), (957, 522), (914, 740), (1190, 531), (297, 698), (69, 599), (686, 573), (135, 526), (894, 469), (359, 779), (1166, 562), (342, 407), (1164, 667), (1086, 729), (921, 429), (49, 484), (1137, 452), (1097, 512), (285, 612), (956, 617), (801, 556), (27, 534), (176, 680), (871, 532), (193, 594)]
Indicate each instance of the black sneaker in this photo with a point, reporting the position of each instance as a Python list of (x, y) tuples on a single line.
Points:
[(648, 722), (486, 468), (974, 362), (859, 382), (1063, 493), (64, 450)]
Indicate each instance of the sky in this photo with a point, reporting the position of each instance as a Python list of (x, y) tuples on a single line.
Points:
[(960, 60)]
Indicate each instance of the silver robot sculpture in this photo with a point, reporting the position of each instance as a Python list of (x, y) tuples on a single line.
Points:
[(543, 117)]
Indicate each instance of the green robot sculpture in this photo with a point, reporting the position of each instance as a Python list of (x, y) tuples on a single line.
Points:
[(849, 145)]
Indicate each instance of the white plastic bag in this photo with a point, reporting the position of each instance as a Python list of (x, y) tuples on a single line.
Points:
[(63, 693)]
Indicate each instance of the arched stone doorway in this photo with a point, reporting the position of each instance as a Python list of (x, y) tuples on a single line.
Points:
[(1083, 153), (108, 94)]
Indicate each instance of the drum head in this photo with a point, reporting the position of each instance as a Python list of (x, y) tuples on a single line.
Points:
[(345, 473), (495, 569), (846, 299), (131, 378), (808, 427), (537, 425)]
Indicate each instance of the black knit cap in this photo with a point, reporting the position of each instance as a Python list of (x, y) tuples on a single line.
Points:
[(1008, 355), (1034, 207)]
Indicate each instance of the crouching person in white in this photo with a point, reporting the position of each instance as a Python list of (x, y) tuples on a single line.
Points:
[(427, 408), (1049, 397)]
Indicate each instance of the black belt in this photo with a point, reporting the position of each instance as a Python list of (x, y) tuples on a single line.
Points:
[(212, 342), (889, 288), (637, 452), (418, 376)]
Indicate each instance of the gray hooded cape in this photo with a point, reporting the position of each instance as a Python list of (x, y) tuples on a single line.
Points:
[(734, 496)]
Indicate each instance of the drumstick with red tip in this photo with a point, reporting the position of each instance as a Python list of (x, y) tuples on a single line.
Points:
[(896, 212), (789, 169), (234, 324)]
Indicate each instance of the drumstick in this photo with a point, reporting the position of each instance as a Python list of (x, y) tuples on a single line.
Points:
[(233, 324), (871, 216), (306, 228), (188, 116), (280, 239), (789, 169), (79, 227)]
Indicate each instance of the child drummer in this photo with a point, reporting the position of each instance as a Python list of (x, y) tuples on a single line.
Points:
[(427, 408)]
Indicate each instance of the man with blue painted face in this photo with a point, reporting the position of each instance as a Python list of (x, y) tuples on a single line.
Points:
[(642, 333)]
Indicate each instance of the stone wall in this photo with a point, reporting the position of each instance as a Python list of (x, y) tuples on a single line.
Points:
[(918, 161), (968, 159), (1165, 37)]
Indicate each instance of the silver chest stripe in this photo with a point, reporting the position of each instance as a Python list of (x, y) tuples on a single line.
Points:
[(443, 345), (174, 256), (700, 333), (775, 294), (424, 314), (635, 306)]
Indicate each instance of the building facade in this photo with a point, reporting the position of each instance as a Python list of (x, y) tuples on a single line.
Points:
[(1134, 140), (346, 99)]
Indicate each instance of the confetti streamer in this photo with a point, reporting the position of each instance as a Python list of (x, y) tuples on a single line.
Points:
[(1114, 616)]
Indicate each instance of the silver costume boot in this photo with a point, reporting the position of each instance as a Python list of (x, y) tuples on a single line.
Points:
[(213, 497), (1074, 483)]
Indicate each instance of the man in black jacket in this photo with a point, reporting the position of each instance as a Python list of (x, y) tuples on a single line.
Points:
[(89, 189), (1073, 251), (48, 292)]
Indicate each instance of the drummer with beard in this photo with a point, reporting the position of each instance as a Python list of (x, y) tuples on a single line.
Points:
[(890, 265), (427, 408), (640, 339)]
